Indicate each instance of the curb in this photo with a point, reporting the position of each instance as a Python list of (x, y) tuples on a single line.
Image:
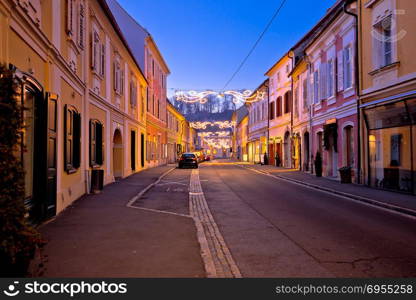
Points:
[(370, 201)]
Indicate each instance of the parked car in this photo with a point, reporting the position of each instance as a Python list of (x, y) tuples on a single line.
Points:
[(201, 157), (188, 159)]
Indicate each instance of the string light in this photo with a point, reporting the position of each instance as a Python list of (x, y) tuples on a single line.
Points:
[(217, 134), (202, 97), (220, 124)]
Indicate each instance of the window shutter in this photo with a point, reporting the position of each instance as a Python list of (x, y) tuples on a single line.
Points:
[(81, 34), (340, 71), (323, 80), (311, 87), (102, 59), (99, 144), (66, 133), (122, 87), (76, 139), (115, 75), (69, 16)]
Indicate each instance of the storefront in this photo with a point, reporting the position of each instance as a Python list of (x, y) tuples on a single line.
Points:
[(391, 144)]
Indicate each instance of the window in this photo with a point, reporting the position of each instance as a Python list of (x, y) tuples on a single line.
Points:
[(383, 43), (97, 55), (279, 107), (72, 141), (288, 102), (396, 146), (133, 93), (271, 115), (118, 77), (347, 67), (96, 143)]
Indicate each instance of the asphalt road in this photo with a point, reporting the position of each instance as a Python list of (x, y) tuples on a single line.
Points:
[(277, 229)]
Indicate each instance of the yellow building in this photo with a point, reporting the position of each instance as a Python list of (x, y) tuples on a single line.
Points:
[(388, 93), (175, 132), (84, 92)]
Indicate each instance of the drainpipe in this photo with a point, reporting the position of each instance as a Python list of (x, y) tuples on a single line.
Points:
[(268, 122), (291, 56), (357, 87)]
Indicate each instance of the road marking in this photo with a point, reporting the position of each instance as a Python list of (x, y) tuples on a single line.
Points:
[(214, 251)]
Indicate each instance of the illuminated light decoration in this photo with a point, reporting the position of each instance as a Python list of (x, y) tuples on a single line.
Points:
[(193, 96), (217, 134), (246, 96), (220, 124), (199, 125), (225, 124)]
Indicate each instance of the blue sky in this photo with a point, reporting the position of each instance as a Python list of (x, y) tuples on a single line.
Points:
[(204, 41)]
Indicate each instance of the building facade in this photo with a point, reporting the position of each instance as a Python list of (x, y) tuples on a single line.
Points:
[(82, 88), (333, 97), (388, 93), (174, 133), (151, 61), (280, 112), (258, 125)]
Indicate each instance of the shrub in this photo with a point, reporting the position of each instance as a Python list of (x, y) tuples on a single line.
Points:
[(18, 239)]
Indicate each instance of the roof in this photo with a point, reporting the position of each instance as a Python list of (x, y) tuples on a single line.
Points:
[(310, 36), (299, 48), (136, 35), (241, 113), (116, 27)]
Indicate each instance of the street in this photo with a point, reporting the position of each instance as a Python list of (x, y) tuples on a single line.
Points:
[(259, 226)]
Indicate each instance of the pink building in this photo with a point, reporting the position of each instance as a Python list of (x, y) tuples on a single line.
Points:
[(332, 93)]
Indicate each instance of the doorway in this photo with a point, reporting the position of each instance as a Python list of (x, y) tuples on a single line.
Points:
[(117, 155)]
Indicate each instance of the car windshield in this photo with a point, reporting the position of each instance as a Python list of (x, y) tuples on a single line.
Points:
[(188, 155)]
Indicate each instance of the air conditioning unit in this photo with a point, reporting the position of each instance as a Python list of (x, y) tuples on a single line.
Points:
[(97, 181)]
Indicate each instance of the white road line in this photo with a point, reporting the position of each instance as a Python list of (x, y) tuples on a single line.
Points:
[(217, 257)]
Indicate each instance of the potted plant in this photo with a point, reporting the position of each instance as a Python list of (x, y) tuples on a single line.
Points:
[(19, 239), (278, 161), (318, 164), (265, 159), (345, 173)]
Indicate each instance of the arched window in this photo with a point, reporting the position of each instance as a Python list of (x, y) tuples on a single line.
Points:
[(72, 141)]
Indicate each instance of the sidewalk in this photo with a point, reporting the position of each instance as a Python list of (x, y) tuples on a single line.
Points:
[(98, 236), (390, 200)]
